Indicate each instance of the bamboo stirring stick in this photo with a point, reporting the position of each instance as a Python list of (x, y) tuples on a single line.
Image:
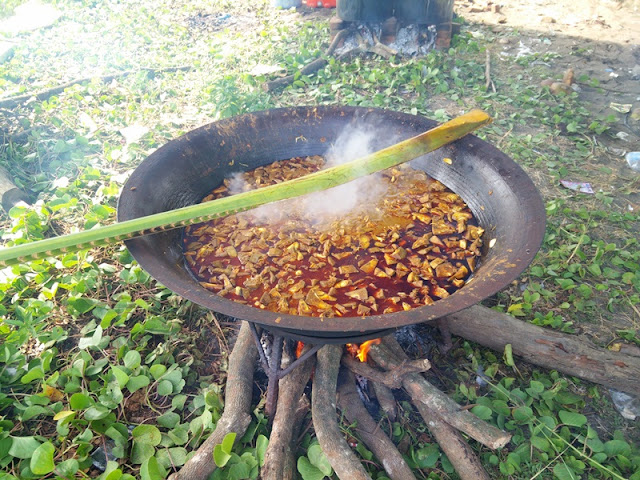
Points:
[(388, 157)]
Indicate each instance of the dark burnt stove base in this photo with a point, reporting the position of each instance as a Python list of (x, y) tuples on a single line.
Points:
[(271, 364)]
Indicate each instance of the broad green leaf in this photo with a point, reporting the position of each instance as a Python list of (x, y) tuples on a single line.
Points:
[(595, 444), (522, 414), (250, 460), (616, 447), (118, 433), (97, 412), (68, 468), (319, 460), (179, 435), (572, 419), (309, 471), (136, 383), (535, 387), (152, 470), (36, 373), (172, 456), (501, 407), (363, 452), (165, 387), (121, 377), (23, 447), (227, 442), (5, 446), (178, 401), (482, 412), (31, 412), (158, 326), (42, 459), (141, 452), (79, 401), (81, 305), (175, 377), (508, 355), (168, 420), (239, 471), (261, 447), (427, 457), (108, 317), (540, 443), (92, 341), (157, 371), (61, 415), (220, 457), (132, 359), (595, 269), (563, 472), (115, 474), (148, 434)]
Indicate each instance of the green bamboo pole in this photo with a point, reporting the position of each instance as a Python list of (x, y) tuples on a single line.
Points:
[(322, 180)]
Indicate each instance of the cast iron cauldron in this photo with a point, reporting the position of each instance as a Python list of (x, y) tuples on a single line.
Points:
[(500, 194)]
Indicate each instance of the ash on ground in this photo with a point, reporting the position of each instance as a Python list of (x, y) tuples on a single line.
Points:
[(411, 40)]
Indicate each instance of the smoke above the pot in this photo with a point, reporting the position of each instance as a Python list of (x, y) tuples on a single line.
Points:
[(321, 209)]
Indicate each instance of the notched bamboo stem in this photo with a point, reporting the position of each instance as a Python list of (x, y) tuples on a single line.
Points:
[(391, 156)]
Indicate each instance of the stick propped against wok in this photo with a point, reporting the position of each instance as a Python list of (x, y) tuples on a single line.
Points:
[(332, 177)]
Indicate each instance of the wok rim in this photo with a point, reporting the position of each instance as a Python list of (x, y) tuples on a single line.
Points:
[(344, 328)]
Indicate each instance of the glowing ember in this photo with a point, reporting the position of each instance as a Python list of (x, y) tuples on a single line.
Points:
[(299, 348), (360, 351)]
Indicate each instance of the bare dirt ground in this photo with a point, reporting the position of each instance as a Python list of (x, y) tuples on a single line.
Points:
[(597, 38)]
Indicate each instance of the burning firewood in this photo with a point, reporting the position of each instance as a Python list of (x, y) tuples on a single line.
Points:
[(367, 429)]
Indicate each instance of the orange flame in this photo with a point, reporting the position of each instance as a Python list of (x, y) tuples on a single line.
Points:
[(299, 348), (361, 351)]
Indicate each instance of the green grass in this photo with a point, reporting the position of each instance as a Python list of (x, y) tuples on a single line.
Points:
[(7, 7), (93, 351)]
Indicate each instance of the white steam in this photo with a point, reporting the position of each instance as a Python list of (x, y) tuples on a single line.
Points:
[(323, 208)]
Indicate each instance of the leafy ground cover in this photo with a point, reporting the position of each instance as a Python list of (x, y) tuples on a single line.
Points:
[(104, 372)]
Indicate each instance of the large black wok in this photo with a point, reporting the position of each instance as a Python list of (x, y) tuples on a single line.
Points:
[(180, 173)]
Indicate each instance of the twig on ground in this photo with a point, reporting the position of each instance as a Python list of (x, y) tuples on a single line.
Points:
[(45, 94), (367, 429), (323, 408), (487, 73), (237, 407)]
